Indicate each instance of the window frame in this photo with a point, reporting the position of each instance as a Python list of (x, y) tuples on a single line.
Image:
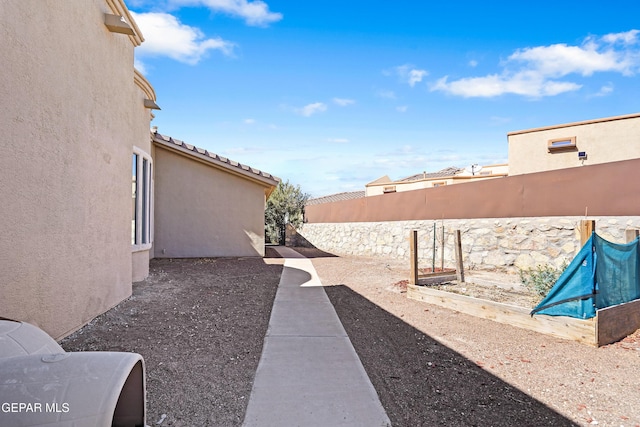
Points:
[(142, 224)]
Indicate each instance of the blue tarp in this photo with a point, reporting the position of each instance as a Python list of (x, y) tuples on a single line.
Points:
[(601, 275)]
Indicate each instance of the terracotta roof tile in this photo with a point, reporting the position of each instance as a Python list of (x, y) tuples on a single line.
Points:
[(336, 197), (443, 173), (230, 163)]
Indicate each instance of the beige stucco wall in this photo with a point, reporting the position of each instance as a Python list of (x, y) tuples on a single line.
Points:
[(70, 114), (604, 140), (203, 211)]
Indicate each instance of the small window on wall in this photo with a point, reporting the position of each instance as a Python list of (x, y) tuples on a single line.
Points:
[(389, 189), (562, 144), (141, 192), (439, 184)]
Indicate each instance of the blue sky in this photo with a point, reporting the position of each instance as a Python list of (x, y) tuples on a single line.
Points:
[(332, 94)]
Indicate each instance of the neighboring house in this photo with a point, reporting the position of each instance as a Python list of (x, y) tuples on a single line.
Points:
[(89, 196), (206, 205), (569, 145), (336, 197), (447, 176)]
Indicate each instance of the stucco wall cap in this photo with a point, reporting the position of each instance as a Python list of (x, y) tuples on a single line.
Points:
[(581, 123)]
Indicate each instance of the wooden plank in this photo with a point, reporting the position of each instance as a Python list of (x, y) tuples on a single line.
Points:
[(581, 330), (413, 257), (631, 234), (587, 227), (446, 272), (617, 321), (430, 279), (459, 264)]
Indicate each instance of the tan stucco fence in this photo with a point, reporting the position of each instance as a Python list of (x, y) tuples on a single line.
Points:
[(609, 189)]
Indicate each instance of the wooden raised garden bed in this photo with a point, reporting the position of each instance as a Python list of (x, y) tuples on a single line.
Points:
[(610, 324)]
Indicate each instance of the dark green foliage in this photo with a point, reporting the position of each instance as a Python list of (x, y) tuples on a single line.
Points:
[(285, 205), (541, 279)]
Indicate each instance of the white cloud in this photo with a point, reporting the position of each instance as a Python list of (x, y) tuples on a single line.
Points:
[(604, 90), (386, 94), (411, 75), (343, 102), (311, 109), (536, 72), (255, 13), (629, 37), (138, 65), (402, 108), (249, 121), (525, 84), (338, 140), (473, 63), (166, 36), (559, 60)]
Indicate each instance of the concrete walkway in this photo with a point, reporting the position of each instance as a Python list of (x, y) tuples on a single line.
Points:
[(309, 373)]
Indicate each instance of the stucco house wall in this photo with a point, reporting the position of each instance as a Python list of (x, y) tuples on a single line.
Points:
[(70, 115), (205, 207), (603, 140)]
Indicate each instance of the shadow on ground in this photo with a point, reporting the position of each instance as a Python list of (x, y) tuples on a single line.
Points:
[(421, 382), (313, 252)]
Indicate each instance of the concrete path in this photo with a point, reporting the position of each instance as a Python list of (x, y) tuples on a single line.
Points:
[(309, 373)]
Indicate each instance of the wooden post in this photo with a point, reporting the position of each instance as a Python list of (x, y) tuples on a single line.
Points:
[(442, 251), (631, 234), (587, 227), (413, 255), (459, 265)]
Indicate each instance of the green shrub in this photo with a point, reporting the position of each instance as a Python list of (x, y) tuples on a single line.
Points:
[(541, 279)]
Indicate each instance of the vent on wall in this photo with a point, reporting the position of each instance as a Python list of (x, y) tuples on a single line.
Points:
[(562, 144), (389, 189)]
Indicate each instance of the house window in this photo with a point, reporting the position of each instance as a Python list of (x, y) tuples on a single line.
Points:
[(389, 189), (562, 144), (439, 184), (141, 191)]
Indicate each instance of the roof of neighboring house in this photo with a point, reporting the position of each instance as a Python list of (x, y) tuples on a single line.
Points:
[(336, 197), (215, 160), (443, 173)]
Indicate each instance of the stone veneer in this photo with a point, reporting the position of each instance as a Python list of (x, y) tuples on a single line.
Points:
[(504, 244)]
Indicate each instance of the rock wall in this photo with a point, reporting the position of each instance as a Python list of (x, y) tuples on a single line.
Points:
[(503, 244)]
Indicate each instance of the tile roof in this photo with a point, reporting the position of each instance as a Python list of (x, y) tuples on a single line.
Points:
[(336, 197), (443, 173), (214, 158)]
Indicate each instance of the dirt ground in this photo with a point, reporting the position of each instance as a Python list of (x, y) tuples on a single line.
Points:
[(200, 324), (433, 366)]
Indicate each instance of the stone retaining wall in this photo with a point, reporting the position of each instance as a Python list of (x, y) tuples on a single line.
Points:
[(503, 244)]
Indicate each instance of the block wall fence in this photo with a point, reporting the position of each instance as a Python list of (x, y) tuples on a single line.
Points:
[(502, 244), (511, 223)]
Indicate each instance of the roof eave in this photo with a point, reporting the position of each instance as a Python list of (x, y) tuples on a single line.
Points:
[(267, 180)]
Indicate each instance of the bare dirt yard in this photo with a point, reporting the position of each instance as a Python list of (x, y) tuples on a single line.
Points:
[(200, 325), (433, 366)]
